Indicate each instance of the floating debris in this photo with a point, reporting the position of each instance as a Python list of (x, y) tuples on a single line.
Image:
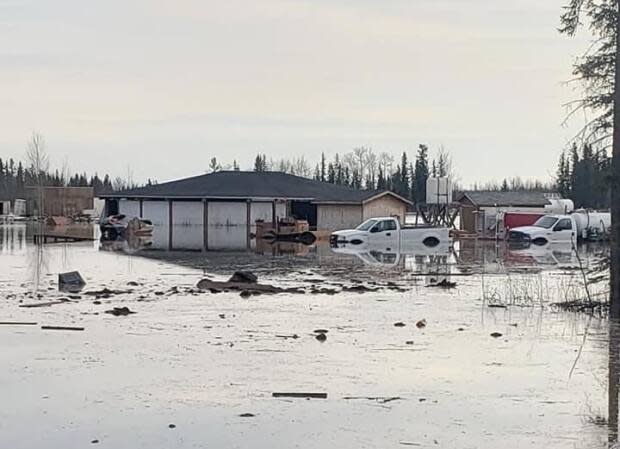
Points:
[(321, 337), (120, 311), (301, 395), (71, 282), (62, 328)]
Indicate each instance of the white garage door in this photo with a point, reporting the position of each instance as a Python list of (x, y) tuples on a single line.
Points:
[(129, 207)]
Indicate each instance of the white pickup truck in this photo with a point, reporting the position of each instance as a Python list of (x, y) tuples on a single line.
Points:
[(388, 233), (562, 228)]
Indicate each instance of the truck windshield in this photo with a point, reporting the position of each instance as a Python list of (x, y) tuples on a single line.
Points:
[(546, 222), (366, 225)]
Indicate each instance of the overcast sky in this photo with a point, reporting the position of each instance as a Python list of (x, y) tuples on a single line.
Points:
[(163, 86)]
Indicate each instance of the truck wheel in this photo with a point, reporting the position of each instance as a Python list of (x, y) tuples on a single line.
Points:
[(431, 242)]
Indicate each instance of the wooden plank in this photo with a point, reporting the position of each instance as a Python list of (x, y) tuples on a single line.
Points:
[(301, 395), (17, 323), (62, 328)]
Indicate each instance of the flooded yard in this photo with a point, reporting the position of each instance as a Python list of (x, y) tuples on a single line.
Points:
[(489, 363)]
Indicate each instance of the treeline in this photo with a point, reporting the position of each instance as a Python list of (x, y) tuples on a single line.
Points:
[(515, 184), (363, 168), (584, 176), (15, 177)]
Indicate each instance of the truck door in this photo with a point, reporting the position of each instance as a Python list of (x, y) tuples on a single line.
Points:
[(384, 236), (563, 231)]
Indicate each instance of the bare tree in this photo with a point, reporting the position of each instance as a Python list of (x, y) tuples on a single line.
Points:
[(360, 154), (301, 167), (39, 165), (372, 166), (386, 161)]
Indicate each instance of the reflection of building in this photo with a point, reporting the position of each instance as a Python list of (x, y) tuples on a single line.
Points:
[(15, 207), (230, 202), (59, 201)]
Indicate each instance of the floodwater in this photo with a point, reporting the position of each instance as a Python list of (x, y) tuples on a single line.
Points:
[(182, 370)]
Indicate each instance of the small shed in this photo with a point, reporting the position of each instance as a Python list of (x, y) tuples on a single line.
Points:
[(480, 210)]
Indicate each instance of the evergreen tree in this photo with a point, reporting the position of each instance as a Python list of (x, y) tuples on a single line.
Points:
[(323, 174), (505, 187), (331, 174), (421, 174)]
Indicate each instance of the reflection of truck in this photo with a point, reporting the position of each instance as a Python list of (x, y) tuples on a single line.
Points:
[(563, 228), (387, 232)]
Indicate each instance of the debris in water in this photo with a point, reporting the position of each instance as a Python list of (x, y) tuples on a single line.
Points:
[(301, 395), (421, 324), (244, 277), (94, 442), (498, 306), (106, 292), (62, 328), (120, 311), (496, 335), (44, 304), (247, 415), (217, 287), (133, 284), (410, 342), (358, 289), (382, 400), (321, 331), (399, 324), (71, 282), (444, 283), (172, 426), (294, 336), (321, 337), (17, 323)]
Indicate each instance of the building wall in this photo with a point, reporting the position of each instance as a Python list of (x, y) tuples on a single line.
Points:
[(60, 201), (475, 220), (331, 217), (385, 206)]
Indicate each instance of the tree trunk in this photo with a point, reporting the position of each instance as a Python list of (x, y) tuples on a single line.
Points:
[(615, 189)]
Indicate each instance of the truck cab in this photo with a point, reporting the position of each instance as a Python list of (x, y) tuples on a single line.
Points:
[(547, 229)]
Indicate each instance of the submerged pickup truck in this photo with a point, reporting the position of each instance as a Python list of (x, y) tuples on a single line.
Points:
[(580, 225), (389, 233)]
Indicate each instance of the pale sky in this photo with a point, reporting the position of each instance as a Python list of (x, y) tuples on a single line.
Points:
[(163, 86)]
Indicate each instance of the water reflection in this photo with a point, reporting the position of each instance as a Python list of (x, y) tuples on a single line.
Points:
[(13, 238), (614, 380)]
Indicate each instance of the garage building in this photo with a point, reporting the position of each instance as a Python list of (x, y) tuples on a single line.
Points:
[(219, 210)]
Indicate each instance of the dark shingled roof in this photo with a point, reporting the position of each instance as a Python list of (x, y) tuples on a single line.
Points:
[(250, 184), (519, 198)]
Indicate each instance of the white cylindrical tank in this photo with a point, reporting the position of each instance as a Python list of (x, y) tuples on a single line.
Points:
[(592, 222), (560, 206)]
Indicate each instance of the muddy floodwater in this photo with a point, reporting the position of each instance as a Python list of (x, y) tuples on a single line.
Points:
[(402, 365)]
